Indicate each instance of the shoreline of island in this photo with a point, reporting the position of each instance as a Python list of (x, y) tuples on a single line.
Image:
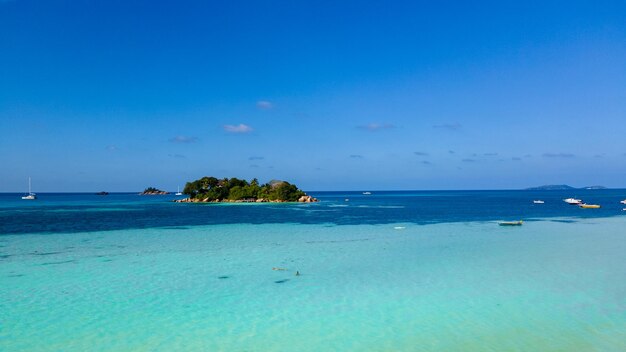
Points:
[(303, 199)]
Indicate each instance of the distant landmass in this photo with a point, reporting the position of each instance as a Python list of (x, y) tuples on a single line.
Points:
[(560, 188)]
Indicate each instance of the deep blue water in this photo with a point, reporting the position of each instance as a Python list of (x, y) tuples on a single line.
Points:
[(75, 212)]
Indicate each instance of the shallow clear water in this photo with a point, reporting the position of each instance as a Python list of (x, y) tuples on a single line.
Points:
[(367, 283)]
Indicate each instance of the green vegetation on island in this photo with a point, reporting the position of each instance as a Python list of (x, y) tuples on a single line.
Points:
[(211, 189)]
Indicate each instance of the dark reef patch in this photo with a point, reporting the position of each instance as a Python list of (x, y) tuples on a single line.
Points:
[(564, 221), (57, 263), (44, 253)]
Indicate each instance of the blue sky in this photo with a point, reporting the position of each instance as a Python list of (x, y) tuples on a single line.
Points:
[(121, 95)]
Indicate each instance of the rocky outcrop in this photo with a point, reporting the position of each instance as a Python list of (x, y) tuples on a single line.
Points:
[(307, 199)]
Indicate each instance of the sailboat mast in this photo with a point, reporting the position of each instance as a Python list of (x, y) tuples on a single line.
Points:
[(29, 190)]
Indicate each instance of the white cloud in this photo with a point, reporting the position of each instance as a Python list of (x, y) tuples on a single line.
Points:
[(240, 128), (558, 155), (376, 126), (449, 126), (264, 105), (183, 139), (177, 156)]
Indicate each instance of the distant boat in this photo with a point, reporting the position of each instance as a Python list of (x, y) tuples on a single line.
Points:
[(511, 223), (623, 202), (31, 195), (572, 201), (367, 193), (538, 201), (589, 206), (103, 193), (178, 193)]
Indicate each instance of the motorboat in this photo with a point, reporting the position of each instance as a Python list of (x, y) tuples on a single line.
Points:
[(589, 206), (511, 223), (623, 201), (572, 201), (538, 202), (367, 193)]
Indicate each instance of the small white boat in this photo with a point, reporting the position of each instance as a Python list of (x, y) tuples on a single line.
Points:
[(31, 195), (511, 223), (623, 201), (572, 201), (367, 193), (538, 201), (178, 193)]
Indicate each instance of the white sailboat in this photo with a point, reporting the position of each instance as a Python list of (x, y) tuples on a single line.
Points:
[(178, 193), (31, 195)]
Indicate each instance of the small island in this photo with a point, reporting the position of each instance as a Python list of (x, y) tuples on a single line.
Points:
[(234, 190), (151, 191)]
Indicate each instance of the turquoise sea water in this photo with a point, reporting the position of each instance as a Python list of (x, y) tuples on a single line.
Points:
[(378, 273)]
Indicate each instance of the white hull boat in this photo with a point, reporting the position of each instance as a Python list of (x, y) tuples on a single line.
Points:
[(31, 195), (572, 201)]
